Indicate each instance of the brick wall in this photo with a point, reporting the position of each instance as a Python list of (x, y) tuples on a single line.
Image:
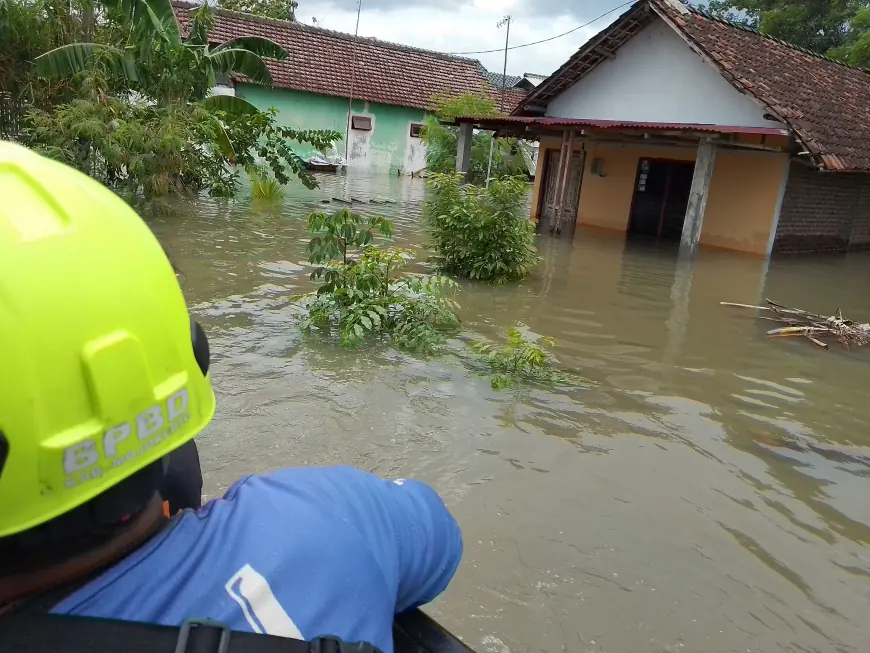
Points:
[(860, 238), (819, 210)]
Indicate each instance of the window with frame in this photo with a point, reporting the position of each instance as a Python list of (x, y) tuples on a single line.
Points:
[(416, 129), (362, 123)]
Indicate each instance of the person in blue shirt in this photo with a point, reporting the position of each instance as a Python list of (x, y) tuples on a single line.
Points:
[(104, 376)]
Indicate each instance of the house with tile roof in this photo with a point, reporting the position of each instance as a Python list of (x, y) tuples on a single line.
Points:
[(377, 93), (673, 124), (527, 81)]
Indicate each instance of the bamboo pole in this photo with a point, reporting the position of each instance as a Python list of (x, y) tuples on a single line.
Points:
[(798, 323)]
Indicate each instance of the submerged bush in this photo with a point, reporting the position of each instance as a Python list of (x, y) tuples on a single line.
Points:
[(481, 233), (336, 235), (364, 293), (522, 359), (264, 187)]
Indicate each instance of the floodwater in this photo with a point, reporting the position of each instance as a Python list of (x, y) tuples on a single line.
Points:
[(710, 494)]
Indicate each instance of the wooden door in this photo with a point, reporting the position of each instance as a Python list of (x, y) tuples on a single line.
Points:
[(550, 180), (572, 192)]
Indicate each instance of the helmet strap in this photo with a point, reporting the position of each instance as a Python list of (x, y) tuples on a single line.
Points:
[(128, 537)]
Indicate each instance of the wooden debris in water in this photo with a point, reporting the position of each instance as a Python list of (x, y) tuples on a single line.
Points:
[(812, 326)]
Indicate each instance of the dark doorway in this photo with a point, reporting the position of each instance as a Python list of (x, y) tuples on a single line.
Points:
[(661, 196)]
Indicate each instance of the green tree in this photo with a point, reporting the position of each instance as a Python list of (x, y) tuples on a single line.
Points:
[(832, 27), (277, 9), (447, 106), (440, 139), (856, 48), (27, 29), (143, 121), (151, 58)]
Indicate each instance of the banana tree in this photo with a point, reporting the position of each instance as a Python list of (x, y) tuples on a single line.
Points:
[(155, 62), (150, 63)]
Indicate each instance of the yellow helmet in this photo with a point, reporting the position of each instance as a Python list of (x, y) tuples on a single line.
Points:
[(99, 376)]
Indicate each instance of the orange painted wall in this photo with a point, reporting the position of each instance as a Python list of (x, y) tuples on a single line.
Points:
[(744, 192), (606, 201)]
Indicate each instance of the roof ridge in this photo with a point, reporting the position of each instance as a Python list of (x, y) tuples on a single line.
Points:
[(483, 70), (189, 4), (746, 28)]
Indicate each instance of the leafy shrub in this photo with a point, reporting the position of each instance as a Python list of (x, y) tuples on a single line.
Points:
[(132, 148), (446, 106), (481, 233), (522, 359), (364, 293), (154, 150)]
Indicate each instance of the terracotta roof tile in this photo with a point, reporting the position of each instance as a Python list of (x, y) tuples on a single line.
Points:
[(826, 103), (321, 61)]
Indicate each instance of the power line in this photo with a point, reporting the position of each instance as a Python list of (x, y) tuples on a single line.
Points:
[(552, 38)]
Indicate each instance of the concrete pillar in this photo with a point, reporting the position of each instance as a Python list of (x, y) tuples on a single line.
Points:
[(463, 147), (698, 197), (783, 184)]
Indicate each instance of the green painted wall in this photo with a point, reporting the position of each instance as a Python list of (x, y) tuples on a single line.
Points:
[(386, 148)]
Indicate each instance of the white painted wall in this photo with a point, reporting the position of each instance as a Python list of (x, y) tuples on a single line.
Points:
[(363, 155), (359, 149), (222, 90), (415, 153), (655, 77)]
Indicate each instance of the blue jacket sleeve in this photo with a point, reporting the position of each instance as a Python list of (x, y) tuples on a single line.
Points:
[(428, 541), (404, 524)]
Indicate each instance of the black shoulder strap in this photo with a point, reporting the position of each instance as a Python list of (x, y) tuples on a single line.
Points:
[(48, 633), (416, 632), (30, 628)]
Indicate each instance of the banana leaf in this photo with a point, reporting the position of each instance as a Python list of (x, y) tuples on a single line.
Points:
[(242, 62), (262, 47), (74, 58)]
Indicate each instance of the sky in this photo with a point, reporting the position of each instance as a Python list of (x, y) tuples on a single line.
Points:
[(464, 25)]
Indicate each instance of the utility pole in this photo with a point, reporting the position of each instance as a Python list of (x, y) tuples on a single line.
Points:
[(352, 81), (504, 21)]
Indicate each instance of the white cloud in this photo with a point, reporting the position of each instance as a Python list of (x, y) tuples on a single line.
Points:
[(460, 28)]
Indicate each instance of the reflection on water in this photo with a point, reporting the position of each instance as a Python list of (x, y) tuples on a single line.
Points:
[(709, 495)]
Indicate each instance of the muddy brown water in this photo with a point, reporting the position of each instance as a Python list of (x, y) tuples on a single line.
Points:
[(710, 494)]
